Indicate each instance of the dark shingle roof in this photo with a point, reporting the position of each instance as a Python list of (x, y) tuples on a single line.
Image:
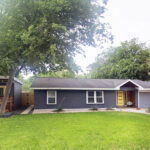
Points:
[(144, 84), (43, 82)]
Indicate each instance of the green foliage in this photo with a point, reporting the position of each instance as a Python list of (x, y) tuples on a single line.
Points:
[(26, 83), (76, 131), (59, 74), (45, 35), (94, 108), (126, 61), (110, 108), (81, 76), (59, 109)]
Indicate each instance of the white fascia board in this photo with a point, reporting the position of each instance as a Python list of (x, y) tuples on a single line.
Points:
[(73, 88), (17, 80), (140, 87), (145, 90)]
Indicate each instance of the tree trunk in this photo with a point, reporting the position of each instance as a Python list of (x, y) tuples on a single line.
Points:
[(19, 69), (7, 91)]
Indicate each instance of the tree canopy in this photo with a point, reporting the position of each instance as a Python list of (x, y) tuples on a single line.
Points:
[(41, 35), (45, 35), (129, 60)]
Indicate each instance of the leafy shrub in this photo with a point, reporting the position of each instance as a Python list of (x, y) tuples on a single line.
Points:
[(148, 109), (58, 110), (109, 108), (95, 108)]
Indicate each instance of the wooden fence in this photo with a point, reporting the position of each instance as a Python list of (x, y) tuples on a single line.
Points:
[(27, 98)]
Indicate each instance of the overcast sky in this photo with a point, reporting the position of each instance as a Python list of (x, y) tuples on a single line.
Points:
[(128, 19)]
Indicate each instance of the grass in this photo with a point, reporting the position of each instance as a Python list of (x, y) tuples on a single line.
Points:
[(76, 131)]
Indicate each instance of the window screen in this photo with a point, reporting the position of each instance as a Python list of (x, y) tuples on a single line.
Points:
[(51, 97)]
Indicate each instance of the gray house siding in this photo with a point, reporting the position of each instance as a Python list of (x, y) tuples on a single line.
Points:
[(72, 99), (15, 91), (17, 94), (144, 100)]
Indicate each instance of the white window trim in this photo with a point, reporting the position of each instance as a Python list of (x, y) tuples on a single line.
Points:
[(55, 98), (95, 101)]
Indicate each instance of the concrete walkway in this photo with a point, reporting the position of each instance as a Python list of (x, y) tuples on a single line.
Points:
[(142, 111), (40, 111), (28, 110)]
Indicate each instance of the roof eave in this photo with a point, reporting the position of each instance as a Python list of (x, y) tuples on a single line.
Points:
[(15, 79), (139, 86), (145, 90), (58, 88)]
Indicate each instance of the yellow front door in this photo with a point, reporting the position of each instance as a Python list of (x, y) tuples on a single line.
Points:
[(120, 98)]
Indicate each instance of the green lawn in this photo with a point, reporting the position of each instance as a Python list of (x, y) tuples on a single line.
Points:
[(76, 131)]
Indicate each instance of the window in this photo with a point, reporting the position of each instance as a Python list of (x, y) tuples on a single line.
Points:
[(95, 97), (51, 97), (2, 91), (99, 97), (90, 96)]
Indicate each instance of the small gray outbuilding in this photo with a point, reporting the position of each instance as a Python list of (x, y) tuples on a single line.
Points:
[(53, 93), (14, 101)]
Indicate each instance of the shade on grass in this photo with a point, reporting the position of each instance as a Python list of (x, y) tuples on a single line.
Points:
[(76, 131)]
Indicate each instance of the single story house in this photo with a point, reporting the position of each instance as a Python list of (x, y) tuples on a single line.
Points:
[(14, 100), (53, 93)]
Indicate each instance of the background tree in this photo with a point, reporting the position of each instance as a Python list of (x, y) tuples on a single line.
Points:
[(58, 74), (26, 83), (128, 61), (44, 35)]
